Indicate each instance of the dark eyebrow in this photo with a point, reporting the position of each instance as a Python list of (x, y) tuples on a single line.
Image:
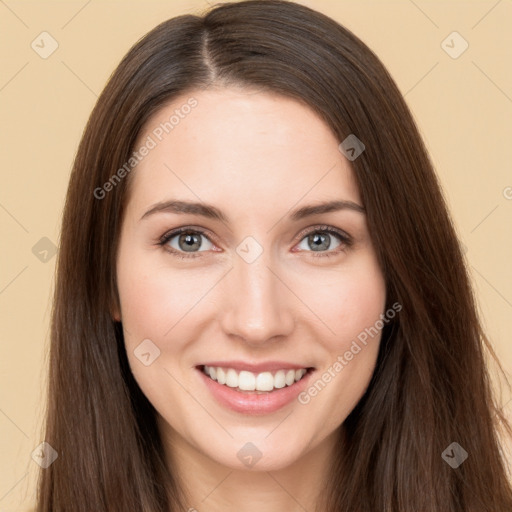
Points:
[(211, 212), (202, 209), (331, 206)]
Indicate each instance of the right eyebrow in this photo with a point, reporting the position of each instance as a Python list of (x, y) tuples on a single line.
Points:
[(184, 207)]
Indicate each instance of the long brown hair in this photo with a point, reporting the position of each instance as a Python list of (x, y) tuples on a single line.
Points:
[(431, 386)]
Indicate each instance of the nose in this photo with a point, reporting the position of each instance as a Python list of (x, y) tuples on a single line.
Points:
[(257, 305)]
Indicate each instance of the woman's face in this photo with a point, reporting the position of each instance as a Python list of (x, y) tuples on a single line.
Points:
[(257, 286)]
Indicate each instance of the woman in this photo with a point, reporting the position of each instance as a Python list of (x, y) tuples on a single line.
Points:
[(261, 302)]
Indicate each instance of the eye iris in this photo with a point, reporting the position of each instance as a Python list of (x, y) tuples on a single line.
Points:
[(316, 237), (191, 241)]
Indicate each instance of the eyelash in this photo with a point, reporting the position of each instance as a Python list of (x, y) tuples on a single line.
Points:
[(345, 239)]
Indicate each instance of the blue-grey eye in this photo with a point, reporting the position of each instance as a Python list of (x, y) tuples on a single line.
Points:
[(319, 241), (189, 241)]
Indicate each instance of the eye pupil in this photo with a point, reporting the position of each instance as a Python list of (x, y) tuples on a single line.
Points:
[(316, 237), (191, 241)]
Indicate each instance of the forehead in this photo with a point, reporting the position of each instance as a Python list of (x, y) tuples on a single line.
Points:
[(240, 147)]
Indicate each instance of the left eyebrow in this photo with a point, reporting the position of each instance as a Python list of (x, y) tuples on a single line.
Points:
[(331, 206)]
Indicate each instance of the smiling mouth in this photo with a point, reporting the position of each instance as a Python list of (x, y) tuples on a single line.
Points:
[(254, 383)]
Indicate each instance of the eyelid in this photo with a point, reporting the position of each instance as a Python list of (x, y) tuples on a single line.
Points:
[(178, 231), (345, 237)]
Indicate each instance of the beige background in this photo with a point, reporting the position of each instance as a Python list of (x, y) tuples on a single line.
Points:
[(463, 106)]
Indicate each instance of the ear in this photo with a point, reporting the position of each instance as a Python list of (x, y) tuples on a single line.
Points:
[(116, 316), (115, 310)]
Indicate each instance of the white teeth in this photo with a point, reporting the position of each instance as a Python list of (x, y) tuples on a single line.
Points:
[(279, 379), (264, 381), (290, 377), (221, 375), (248, 381), (232, 378)]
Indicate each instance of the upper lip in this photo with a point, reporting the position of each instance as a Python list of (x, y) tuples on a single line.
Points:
[(267, 366)]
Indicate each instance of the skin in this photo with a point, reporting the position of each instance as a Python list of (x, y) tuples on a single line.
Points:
[(255, 156)]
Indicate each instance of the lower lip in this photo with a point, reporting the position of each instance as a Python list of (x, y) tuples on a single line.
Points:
[(248, 403)]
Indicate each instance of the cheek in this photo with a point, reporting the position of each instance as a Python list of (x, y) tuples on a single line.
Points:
[(347, 300), (152, 303), (162, 305), (350, 303), (154, 298), (351, 309), (361, 303), (143, 300)]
